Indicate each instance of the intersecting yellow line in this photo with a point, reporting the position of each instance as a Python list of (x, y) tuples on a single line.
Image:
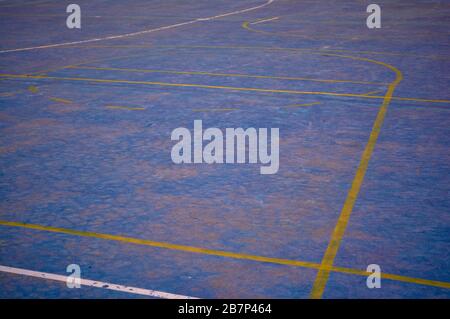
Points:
[(218, 87), (344, 217), (221, 253), (326, 266)]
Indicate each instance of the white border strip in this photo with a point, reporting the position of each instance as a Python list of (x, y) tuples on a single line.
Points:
[(92, 283), (139, 32)]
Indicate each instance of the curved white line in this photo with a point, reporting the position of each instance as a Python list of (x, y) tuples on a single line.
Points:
[(94, 283), (112, 37), (265, 20)]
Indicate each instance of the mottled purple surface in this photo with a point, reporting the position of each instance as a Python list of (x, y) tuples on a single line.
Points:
[(84, 166)]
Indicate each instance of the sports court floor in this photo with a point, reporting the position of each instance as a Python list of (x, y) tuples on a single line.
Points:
[(85, 170)]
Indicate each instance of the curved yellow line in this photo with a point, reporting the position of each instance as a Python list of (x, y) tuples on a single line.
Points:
[(342, 222), (338, 233), (326, 265), (246, 25)]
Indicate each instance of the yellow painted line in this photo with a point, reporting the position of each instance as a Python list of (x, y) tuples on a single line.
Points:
[(37, 77), (318, 50), (165, 245), (342, 222), (312, 50), (306, 104), (215, 110), (44, 72), (117, 107), (59, 100), (373, 92), (433, 57), (224, 75), (411, 280), (412, 99), (219, 253), (33, 89), (246, 26)]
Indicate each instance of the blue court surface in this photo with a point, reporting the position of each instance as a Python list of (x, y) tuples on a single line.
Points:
[(86, 175)]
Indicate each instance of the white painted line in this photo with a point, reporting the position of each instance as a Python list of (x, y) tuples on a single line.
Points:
[(112, 37), (241, 11), (265, 20), (92, 283)]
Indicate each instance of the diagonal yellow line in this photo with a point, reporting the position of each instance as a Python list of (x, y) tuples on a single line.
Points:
[(339, 230), (306, 104), (217, 87), (57, 99), (411, 280), (165, 245), (221, 253), (373, 92), (326, 265), (44, 72), (220, 87), (225, 75)]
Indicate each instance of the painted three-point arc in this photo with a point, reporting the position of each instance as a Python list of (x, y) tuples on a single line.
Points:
[(235, 150)]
